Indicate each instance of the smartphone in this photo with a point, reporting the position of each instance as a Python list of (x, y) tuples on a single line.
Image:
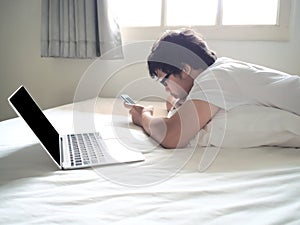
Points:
[(127, 99)]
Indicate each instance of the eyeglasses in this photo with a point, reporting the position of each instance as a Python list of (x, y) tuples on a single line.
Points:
[(163, 81)]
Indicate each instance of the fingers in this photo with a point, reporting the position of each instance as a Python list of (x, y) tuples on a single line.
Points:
[(127, 105), (138, 109), (133, 106), (136, 114)]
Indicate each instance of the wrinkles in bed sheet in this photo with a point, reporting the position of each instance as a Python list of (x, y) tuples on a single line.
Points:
[(33, 191), (82, 197), (242, 186)]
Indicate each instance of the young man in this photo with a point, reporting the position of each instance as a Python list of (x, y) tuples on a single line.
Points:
[(203, 84)]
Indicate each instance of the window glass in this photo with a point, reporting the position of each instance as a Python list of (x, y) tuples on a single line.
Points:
[(214, 19), (250, 12), (191, 12), (136, 13)]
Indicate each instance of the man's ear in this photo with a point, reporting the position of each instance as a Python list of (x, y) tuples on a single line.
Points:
[(186, 69)]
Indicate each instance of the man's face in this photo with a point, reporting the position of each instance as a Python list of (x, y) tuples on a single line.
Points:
[(177, 85)]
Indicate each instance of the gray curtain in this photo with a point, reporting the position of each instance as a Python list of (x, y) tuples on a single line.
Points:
[(79, 29)]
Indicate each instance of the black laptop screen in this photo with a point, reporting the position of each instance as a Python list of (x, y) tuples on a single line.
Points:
[(37, 121)]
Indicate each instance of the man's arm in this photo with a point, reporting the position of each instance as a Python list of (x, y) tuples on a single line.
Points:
[(178, 130)]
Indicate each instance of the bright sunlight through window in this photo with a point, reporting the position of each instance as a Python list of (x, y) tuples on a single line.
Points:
[(145, 13), (136, 13), (191, 12), (215, 19), (251, 12)]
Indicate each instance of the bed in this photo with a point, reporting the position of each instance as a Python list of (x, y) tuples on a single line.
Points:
[(233, 183)]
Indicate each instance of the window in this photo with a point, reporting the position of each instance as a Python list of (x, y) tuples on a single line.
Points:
[(254, 12), (215, 19), (191, 12)]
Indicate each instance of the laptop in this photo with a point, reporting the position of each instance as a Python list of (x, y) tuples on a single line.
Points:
[(70, 151)]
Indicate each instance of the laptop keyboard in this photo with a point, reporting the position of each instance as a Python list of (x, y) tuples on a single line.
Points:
[(86, 149)]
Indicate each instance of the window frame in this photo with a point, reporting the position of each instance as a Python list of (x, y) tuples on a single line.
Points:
[(277, 32)]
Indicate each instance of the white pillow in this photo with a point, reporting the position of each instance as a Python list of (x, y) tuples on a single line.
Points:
[(251, 126)]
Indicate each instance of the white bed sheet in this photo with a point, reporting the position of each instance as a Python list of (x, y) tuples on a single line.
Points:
[(242, 186)]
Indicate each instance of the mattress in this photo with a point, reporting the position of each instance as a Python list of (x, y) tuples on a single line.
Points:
[(257, 185)]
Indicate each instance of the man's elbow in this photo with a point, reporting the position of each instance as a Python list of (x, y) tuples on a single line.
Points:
[(173, 143)]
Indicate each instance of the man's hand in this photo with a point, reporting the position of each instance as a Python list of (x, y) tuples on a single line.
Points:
[(137, 112)]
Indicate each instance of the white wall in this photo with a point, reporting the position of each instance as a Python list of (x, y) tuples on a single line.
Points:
[(53, 81)]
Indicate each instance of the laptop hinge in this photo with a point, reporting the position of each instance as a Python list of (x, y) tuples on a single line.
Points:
[(61, 151)]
